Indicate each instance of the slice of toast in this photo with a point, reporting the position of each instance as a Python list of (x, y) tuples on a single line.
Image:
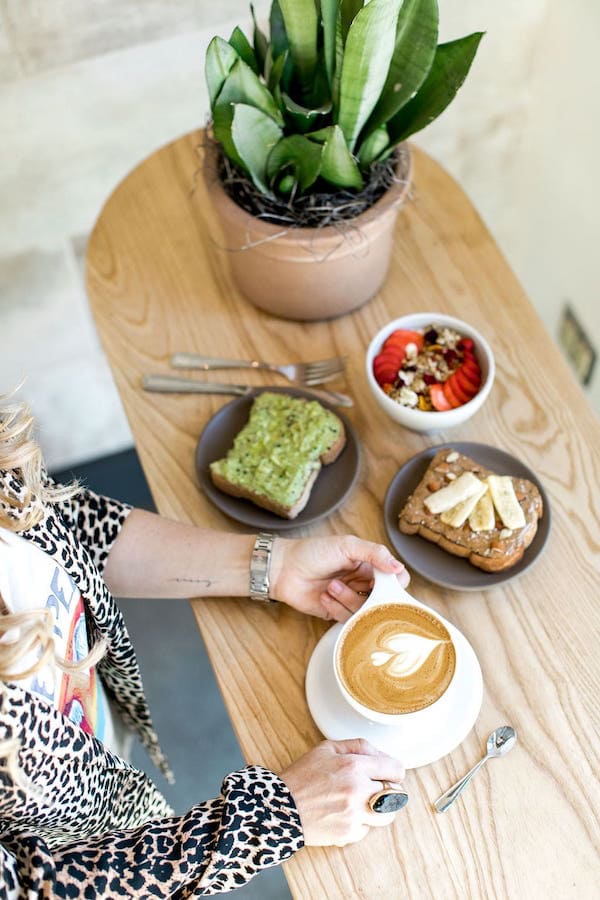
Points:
[(493, 550), (276, 457)]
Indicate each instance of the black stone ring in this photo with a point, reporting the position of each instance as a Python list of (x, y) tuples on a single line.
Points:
[(388, 800)]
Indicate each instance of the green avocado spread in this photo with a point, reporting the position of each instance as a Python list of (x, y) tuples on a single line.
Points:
[(279, 447)]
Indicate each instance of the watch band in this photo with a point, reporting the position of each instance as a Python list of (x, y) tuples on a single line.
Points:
[(260, 562)]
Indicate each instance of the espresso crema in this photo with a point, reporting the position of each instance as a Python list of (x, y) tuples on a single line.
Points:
[(396, 659)]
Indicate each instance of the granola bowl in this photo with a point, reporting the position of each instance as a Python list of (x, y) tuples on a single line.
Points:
[(413, 364)]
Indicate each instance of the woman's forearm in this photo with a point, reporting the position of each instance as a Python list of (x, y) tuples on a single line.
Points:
[(156, 557)]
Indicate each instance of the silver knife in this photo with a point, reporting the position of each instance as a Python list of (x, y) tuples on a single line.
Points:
[(172, 384)]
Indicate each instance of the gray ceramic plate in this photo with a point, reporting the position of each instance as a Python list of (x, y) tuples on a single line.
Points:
[(428, 559), (330, 489)]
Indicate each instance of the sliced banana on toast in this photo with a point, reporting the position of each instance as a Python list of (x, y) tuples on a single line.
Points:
[(458, 515), (483, 517), (466, 485), (505, 501)]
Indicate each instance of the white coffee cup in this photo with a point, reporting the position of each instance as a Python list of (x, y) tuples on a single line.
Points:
[(387, 590)]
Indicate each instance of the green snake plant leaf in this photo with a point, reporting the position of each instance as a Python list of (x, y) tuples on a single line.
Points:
[(414, 52), (337, 71), (243, 86), (220, 59), (338, 166), (297, 155), (450, 67), (303, 117), (279, 40), (254, 135), (300, 18), (260, 43), (373, 146), (242, 45), (367, 54), (321, 135), (349, 10), (222, 114), (276, 71), (329, 16)]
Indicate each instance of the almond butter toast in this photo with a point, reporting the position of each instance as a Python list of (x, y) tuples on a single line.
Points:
[(277, 456), (470, 511)]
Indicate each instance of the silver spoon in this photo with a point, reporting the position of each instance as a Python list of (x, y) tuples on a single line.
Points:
[(499, 743)]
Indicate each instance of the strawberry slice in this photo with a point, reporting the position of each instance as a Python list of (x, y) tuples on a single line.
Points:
[(471, 368), (457, 390), (438, 398), (469, 356), (450, 395), (390, 353), (466, 384), (465, 344), (471, 362), (386, 365), (385, 368), (386, 362), (401, 337), (387, 376)]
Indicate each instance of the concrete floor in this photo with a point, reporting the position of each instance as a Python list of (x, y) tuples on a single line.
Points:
[(185, 702)]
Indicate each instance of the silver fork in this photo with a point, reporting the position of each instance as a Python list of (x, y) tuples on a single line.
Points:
[(308, 373)]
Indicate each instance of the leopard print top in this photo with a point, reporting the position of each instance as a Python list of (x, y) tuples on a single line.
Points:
[(85, 823)]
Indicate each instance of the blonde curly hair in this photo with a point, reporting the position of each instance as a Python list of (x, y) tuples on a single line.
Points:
[(26, 632), (19, 453)]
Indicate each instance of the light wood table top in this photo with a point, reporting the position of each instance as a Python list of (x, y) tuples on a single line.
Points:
[(528, 825)]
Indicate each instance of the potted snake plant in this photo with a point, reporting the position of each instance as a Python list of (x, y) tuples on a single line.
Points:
[(306, 160)]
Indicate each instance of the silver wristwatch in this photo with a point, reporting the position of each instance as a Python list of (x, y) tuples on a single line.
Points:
[(260, 562)]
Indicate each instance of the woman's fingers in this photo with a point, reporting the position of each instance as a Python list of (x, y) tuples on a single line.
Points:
[(344, 595), (334, 609), (377, 555), (356, 746), (379, 820), (384, 768), (357, 833)]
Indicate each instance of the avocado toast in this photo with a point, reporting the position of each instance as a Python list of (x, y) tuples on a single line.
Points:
[(276, 457)]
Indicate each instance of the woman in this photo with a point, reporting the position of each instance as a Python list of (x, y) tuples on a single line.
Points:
[(77, 820)]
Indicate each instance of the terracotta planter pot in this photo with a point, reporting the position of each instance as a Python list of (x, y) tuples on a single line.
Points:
[(307, 273)]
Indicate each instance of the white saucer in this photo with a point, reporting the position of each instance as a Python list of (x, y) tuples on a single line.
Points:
[(432, 733)]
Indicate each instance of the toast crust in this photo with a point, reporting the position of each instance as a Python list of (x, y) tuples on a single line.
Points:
[(486, 550), (329, 456)]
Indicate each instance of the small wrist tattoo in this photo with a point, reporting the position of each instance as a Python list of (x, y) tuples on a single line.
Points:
[(205, 582)]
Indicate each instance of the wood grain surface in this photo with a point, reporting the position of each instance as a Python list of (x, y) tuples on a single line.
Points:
[(528, 825)]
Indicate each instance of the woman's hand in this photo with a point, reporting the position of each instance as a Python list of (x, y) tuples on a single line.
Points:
[(331, 786), (328, 577)]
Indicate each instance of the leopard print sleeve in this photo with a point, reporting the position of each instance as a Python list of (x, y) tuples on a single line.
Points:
[(95, 520), (215, 847)]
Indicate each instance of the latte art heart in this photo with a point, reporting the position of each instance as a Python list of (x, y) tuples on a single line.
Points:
[(404, 653), (396, 658)]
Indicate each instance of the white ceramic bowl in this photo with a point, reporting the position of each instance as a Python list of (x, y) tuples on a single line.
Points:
[(417, 419)]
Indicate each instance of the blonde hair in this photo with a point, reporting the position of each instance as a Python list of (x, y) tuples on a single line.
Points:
[(32, 631), (19, 453)]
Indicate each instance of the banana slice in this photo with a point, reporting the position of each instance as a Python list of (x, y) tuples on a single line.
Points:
[(466, 485), (482, 518), (505, 501), (458, 515)]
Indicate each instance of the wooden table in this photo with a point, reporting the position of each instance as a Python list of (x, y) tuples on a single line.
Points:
[(528, 826)]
